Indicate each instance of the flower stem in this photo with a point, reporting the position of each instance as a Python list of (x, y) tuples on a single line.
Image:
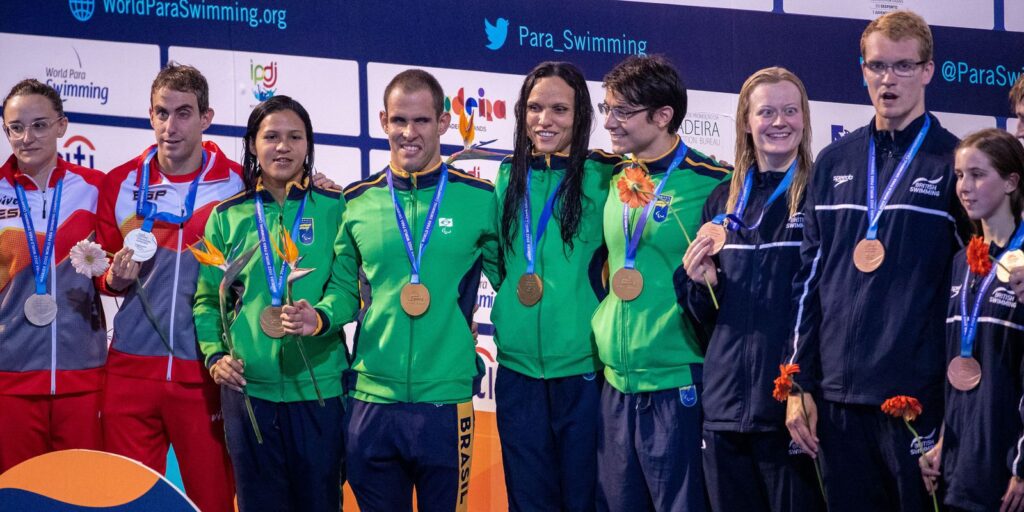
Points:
[(994, 260), (817, 463), (148, 310), (920, 446), (305, 360), (226, 335), (714, 299)]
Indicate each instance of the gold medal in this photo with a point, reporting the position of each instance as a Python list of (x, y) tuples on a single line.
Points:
[(270, 322), (868, 255), (415, 299), (964, 373), (627, 283), (716, 232), (530, 289), (1007, 262)]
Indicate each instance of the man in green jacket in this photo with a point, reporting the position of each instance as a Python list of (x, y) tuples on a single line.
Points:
[(649, 450), (418, 230)]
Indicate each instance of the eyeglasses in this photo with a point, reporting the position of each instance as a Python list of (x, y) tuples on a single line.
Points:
[(903, 68), (39, 127), (620, 114)]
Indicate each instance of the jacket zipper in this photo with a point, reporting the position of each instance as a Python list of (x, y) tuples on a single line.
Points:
[(174, 297)]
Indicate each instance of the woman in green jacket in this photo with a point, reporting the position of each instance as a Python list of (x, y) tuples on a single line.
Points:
[(292, 461), (549, 195)]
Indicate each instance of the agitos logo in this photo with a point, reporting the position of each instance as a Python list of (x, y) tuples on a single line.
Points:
[(76, 155), (481, 106), (264, 78)]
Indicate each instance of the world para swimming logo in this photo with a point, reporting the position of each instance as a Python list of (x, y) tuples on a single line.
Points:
[(82, 9)]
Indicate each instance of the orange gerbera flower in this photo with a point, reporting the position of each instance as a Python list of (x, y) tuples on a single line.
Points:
[(784, 382), (902, 406), (211, 256), (635, 187), (977, 256)]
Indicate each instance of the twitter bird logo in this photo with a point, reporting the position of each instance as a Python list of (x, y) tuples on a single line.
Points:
[(496, 33)]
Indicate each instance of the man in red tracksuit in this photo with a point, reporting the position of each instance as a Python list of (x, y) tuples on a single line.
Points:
[(158, 391)]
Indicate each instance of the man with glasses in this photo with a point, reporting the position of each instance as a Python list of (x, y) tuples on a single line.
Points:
[(649, 448), (881, 227)]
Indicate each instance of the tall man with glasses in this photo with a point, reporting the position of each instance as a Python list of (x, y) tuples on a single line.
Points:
[(649, 454), (881, 227)]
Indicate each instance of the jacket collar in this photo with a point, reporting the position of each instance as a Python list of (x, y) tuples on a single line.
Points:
[(10, 172)]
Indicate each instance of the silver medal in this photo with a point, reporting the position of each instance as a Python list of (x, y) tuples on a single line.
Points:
[(142, 243), (41, 310)]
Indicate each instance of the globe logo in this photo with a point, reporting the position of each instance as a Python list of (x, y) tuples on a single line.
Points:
[(82, 9)]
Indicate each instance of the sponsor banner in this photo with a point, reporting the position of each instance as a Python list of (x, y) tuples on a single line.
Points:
[(341, 164), (485, 348), (83, 71), (105, 147), (327, 88), (832, 121), (746, 5), (489, 97), (951, 13), (485, 169), (1013, 16)]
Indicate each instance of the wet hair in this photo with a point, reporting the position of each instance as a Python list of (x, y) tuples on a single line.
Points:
[(251, 169), (183, 78), (649, 81), (412, 80), (899, 25), (746, 153), (570, 194), (31, 86), (1006, 154)]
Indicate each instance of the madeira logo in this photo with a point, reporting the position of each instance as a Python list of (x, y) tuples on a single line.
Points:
[(82, 9), (264, 78), (496, 33)]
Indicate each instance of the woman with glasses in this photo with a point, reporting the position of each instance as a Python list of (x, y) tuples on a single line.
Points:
[(549, 194), (52, 335), (749, 260)]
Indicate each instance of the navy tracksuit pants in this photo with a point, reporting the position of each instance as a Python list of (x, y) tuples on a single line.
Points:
[(298, 466), (392, 448), (548, 430), (649, 450), (870, 459)]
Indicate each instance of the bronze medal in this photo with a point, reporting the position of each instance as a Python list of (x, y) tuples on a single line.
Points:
[(868, 255), (530, 289), (270, 322), (415, 299), (627, 283), (716, 232), (40, 309), (964, 373)]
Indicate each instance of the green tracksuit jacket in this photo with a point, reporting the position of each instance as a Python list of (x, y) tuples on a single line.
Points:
[(647, 344), (398, 358), (553, 338), (273, 367)]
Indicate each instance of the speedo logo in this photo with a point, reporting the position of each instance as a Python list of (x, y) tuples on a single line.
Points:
[(842, 178), (954, 290), (928, 187)]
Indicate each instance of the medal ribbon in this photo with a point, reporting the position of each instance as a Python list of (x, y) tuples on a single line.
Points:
[(529, 242), (276, 285), (428, 227), (40, 263), (633, 239), (969, 324), (876, 205), (736, 218), (148, 209)]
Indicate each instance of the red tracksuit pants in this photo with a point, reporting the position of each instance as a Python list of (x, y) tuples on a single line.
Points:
[(32, 425)]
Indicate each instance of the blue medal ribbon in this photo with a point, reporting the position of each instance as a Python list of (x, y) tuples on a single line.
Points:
[(276, 284), (969, 324), (633, 239), (529, 242), (40, 262), (875, 204), (428, 227), (736, 218), (148, 209)]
